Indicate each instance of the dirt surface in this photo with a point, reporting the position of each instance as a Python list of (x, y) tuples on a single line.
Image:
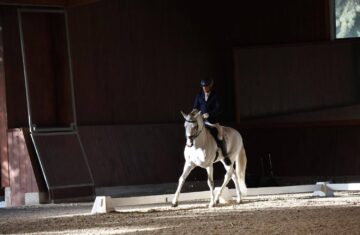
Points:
[(284, 214)]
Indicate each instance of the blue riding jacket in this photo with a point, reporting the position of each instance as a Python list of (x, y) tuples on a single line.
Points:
[(212, 106)]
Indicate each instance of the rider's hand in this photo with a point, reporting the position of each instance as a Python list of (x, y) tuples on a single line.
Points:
[(205, 115)]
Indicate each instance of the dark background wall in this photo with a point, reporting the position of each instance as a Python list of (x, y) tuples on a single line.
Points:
[(296, 78), (142, 60), (138, 63)]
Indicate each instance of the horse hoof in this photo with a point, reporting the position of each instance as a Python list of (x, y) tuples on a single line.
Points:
[(174, 204)]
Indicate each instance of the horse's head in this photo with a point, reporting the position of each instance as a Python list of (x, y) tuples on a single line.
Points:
[(193, 126)]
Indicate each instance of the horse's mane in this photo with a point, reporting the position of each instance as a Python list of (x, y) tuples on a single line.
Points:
[(193, 112)]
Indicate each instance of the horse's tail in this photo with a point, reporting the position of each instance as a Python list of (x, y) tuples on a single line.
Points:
[(240, 170)]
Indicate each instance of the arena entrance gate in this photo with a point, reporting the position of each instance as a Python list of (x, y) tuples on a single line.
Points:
[(48, 77)]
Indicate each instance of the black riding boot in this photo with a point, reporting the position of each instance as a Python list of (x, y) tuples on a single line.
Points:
[(222, 145)]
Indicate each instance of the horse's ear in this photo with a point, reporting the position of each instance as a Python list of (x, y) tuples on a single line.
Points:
[(184, 115), (197, 114)]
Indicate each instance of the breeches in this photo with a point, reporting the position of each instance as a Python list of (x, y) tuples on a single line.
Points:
[(216, 130)]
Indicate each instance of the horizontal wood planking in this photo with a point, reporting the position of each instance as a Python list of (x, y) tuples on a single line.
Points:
[(153, 154), (62, 159), (126, 155), (303, 151), (134, 154), (341, 116)]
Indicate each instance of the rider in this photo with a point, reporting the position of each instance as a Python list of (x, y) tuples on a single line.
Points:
[(207, 101)]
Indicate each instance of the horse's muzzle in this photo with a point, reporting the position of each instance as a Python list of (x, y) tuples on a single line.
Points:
[(189, 142)]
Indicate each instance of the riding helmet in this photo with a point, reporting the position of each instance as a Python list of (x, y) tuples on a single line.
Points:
[(207, 82)]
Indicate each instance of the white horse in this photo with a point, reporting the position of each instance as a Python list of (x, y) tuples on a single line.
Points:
[(201, 150)]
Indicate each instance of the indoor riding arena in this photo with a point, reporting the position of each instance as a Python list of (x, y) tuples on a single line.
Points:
[(179, 117)]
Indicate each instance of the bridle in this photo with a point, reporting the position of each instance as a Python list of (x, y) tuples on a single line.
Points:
[(192, 137)]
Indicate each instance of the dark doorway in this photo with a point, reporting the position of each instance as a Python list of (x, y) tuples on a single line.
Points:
[(47, 68)]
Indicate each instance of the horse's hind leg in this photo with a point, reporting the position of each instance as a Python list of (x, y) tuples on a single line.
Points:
[(188, 167), (229, 173), (210, 171), (237, 186)]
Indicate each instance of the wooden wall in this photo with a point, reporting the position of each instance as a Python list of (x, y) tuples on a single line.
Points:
[(136, 154), (64, 164), (138, 63), (47, 70), (45, 46), (327, 151), (133, 154), (281, 80), (142, 61), (4, 176), (272, 22), (146, 67), (15, 86)]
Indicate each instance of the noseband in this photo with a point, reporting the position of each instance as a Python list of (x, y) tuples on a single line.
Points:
[(192, 137)]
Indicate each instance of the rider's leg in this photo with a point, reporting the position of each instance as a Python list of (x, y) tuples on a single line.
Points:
[(220, 131), (222, 143), (217, 132)]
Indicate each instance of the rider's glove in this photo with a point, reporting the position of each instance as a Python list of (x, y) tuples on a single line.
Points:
[(205, 115)]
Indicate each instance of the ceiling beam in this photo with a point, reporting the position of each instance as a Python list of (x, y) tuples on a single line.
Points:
[(55, 3), (75, 3)]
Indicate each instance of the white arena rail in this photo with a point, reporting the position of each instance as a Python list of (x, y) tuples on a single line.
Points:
[(105, 204)]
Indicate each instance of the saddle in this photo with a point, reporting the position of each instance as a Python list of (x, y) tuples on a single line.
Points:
[(220, 143)]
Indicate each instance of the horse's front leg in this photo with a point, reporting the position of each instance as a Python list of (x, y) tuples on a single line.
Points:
[(210, 182), (188, 167), (229, 171)]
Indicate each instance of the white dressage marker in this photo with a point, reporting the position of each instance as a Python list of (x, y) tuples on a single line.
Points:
[(327, 189)]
